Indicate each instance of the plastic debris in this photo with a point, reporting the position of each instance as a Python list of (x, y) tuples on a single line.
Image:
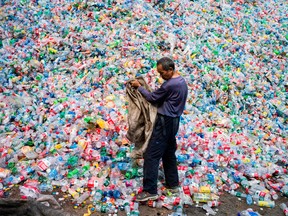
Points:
[(64, 65)]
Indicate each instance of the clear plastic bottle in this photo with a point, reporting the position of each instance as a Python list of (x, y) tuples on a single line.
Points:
[(284, 208), (274, 194), (29, 192), (213, 203), (45, 187), (83, 197), (209, 210)]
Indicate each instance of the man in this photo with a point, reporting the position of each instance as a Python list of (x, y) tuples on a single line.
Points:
[(170, 100)]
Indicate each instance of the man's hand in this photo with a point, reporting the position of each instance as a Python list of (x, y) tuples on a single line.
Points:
[(135, 83)]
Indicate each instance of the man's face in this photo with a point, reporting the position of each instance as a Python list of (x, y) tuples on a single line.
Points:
[(166, 75)]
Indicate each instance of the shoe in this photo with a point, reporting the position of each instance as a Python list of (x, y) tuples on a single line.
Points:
[(171, 191), (145, 196)]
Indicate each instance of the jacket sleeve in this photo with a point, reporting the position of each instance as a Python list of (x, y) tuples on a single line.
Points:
[(156, 97)]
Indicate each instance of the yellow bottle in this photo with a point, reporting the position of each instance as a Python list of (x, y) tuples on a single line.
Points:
[(269, 204)]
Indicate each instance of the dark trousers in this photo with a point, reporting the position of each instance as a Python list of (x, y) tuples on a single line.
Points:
[(163, 145)]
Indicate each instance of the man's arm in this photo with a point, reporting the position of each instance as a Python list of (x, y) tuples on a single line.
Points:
[(156, 97)]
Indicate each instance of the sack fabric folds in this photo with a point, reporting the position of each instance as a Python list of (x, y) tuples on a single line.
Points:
[(141, 118)]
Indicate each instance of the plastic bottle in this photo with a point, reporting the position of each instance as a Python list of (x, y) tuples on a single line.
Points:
[(209, 210), (44, 164), (76, 184), (123, 166), (213, 203), (249, 199), (274, 194), (83, 197), (14, 179), (97, 196), (29, 152), (269, 204), (131, 173), (170, 200), (135, 211), (201, 197), (27, 191), (73, 193), (73, 173), (284, 208), (179, 212), (248, 212), (238, 194), (45, 187), (53, 174)]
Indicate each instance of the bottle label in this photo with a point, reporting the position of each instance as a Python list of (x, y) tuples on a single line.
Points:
[(92, 183), (269, 204), (162, 197), (201, 197), (151, 203), (238, 194), (176, 201), (214, 203), (186, 190), (167, 206), (262, 194), (204, 189), (43, 164)]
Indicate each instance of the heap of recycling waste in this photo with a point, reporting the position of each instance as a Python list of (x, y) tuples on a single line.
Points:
[(63, 112)]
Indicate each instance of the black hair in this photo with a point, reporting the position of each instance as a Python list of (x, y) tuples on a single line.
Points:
[(166, 63)]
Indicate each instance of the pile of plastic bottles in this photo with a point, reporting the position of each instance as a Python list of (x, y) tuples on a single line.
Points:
[(63, 112)]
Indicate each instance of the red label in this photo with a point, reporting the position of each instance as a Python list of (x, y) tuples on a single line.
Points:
[(186, 190), (42, 165), (162, 197), (183, 168), (90, 183), (176, 201), (98, 158), (89, 151), (262, 194), (151, 203), (255, 175)]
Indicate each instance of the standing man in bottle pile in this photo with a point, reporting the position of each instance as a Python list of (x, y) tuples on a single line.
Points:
[(170, 100)]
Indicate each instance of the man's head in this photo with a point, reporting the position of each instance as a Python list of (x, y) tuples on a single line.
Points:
[(166, 68)]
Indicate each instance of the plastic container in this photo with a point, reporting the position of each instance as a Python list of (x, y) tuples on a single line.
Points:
[(209, 210), (269, 204), (284, 208)]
